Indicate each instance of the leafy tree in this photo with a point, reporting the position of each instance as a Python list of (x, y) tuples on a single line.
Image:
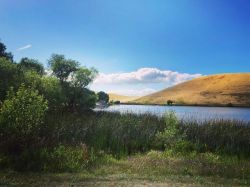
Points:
[(51, 89), (21, 116), (9, 76), (62, 67), (31, 64), (82, 77), (103, 97), (5, 54), (74, 80), (47, 86)]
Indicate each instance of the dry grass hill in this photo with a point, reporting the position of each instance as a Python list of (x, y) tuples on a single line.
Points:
[(222, 89), (121, 98)]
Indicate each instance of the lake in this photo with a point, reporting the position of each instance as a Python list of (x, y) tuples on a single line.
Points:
[(186, 112)]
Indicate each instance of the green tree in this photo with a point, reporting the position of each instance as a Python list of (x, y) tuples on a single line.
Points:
[(82, 77), (103, 97), (74, 81), (9, 76), (62, 67), (31, 64), (47, 86), (5, 54)]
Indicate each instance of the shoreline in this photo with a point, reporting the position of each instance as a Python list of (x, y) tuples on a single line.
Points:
[(191, 105)]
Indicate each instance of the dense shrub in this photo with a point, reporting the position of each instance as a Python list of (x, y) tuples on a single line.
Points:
[(10, 76), (21, 117), (170, 135)]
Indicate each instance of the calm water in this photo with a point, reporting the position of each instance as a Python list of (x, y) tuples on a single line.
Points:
[(187, 112)]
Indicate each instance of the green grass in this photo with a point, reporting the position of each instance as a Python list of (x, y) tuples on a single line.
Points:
[(152, 168)]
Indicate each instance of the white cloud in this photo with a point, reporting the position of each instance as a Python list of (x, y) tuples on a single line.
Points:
[(133, 92), (24, 47), (144, 81), (145, 76)]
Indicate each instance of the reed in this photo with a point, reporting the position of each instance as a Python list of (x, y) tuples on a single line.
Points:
[(127, 133)]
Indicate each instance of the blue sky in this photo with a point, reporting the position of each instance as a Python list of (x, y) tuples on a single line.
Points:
[(145, 44)]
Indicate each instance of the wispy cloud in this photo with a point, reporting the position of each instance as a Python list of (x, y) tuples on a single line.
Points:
[(24, 47), (145, 76)]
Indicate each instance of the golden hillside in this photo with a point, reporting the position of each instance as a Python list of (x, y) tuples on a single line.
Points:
[(121, 98), (219, 89)]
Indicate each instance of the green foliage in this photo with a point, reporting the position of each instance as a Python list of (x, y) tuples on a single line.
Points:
[(5, 54), (119, 134), (103, 97), (47, 86), (82, 77), (21, 116), (117, 102), (170, 137), (74, 80), (9, 76), (51, 89), (56, 159), (62, 67), (31, 64), (62, 158), (223, 136)]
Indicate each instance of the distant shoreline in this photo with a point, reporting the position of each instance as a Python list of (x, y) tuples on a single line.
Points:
[(194, 105)]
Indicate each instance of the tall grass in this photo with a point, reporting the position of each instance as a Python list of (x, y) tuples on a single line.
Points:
[(224, 136), (115, 133), (122, 134), (62, 134)]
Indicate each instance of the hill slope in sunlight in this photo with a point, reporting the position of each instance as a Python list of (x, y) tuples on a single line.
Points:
[(121, 98), (222, 89)]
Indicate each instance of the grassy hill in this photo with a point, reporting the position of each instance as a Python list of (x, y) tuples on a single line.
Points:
[(121, 98), (221, 89)]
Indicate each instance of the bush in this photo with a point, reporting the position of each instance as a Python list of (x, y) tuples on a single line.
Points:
[(57, 159), (171, 137), (9, 76), (21, 116), (62, 158)]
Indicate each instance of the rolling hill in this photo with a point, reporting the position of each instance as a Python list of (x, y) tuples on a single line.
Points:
[(221, 89), (121, 98)]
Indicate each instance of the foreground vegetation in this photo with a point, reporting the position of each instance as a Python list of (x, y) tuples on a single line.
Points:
[(153, 169), (47, 125)]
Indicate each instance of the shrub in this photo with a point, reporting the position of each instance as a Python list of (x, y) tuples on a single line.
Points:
[(170, 102), (117, 102), (21, 116), (171, 137), (62, 158)]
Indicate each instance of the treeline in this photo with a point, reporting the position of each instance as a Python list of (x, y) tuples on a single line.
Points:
[(63, 85)]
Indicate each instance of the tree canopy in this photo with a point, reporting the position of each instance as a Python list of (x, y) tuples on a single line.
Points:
[(62, 67), (103, 97), (5, 54), (65, 89), (31, 64)]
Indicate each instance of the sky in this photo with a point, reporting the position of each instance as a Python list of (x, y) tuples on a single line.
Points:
[(138, 46)]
